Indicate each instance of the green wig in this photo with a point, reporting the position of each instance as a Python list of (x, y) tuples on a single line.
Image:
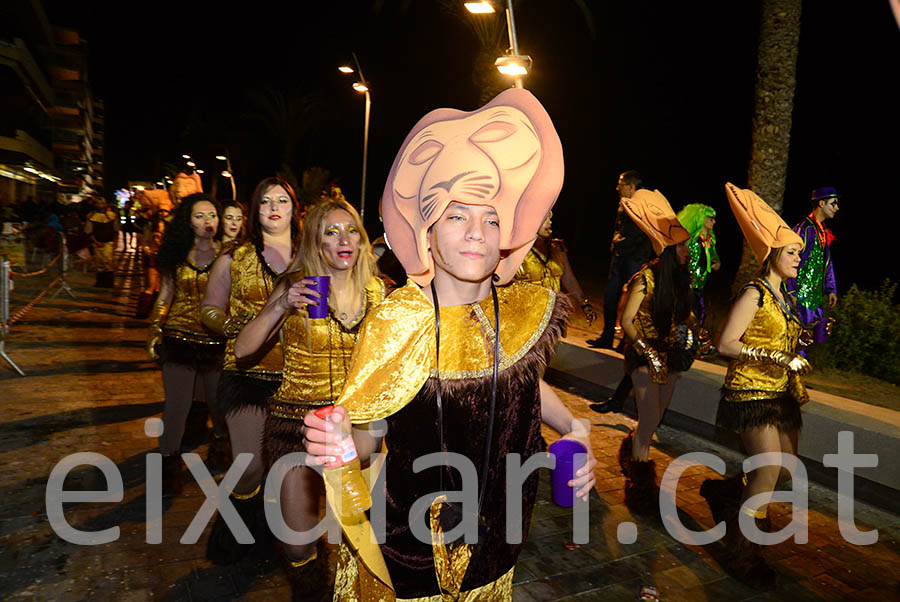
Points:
[(693, 216)]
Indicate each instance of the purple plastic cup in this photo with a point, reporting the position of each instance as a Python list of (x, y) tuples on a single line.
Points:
[(320, 284), (567, 464)]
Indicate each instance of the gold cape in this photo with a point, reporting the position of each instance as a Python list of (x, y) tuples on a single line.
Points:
[(392, 361)]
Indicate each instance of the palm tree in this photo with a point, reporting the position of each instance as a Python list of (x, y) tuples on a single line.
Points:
[(776, 71)]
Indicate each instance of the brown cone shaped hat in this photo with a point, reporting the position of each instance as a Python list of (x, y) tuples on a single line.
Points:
[(650, 210), (762, 227)]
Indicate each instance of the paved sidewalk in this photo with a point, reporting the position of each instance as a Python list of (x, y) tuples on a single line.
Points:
[(90, 387)]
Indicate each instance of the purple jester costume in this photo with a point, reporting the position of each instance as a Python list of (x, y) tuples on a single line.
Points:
[(815, 276)]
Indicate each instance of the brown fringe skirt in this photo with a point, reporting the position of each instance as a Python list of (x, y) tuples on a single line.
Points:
[(284, 435), (200, 356), (238, 391), (739, 416)]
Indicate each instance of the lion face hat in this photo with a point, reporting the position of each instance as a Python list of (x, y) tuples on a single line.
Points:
[(652, 213), (186, 185), (762, 227), (506, 155)]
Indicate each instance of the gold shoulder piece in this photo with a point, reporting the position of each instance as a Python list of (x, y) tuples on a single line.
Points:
[(392, 358)]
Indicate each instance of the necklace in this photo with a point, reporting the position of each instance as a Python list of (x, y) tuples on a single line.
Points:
[(341, 347), (344, 316)]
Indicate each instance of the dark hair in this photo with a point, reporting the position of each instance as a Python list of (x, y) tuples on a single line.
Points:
[(671, 301), (178, 239), (632, 178), (234, 203), (254, 230)]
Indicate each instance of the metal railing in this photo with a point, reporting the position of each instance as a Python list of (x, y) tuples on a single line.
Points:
[(6, 275)]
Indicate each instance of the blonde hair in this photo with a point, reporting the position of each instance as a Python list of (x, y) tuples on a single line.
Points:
[(309, 261)]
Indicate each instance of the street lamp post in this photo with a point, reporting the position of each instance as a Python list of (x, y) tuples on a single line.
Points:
[(362, 87), (514, 64), (513, 39), (230, 173)]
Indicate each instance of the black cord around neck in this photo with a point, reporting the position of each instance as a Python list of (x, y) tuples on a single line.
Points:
[(482, 488)]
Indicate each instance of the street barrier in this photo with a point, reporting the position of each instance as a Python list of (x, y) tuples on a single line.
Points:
[(6, 276)]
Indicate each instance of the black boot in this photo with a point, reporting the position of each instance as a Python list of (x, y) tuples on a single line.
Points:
[(625, 452), (308, 577), (743, 559), (172, 475), (641, 492), (723, 496), (222, 548), (218, 456)]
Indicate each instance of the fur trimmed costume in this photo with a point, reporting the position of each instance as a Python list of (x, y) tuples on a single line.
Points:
[(397, 347), (253, 380)]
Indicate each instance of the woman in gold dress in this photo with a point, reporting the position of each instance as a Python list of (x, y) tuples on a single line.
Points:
[(316, 358), (187, 350), (763, 391), (658, 323), (240, 283)]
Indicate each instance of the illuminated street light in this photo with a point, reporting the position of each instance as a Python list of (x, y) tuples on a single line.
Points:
[(363, 88), (480, 8), (513, 65), (227, 173), (200, 171), (191, 164), (185, 156)]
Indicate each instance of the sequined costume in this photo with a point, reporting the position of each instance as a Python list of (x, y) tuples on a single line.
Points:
[(393, 377), (702, 255), (185, 339), (316, 359), (671, 347), (815, 276), (761, 393), (543, 270), (252, 380)]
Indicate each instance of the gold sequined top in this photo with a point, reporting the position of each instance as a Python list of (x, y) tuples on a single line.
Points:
[(542, 270), (183, 321), (252, 281), (396, 351), (643, 319), (317, 356), (773, 327)]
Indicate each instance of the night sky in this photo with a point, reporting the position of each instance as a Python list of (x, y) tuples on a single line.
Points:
[(662, 87)]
